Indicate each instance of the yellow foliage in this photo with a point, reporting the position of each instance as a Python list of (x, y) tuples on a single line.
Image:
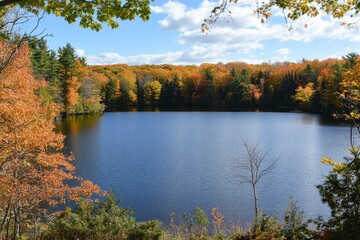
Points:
[(337, 167)]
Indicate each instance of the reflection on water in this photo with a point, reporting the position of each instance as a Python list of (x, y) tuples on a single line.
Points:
[(163, 162), (77, 123)]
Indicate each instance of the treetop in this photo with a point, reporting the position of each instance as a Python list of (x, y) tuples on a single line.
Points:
[(90, 13)]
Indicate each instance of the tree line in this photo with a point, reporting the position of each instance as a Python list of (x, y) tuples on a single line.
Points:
[(312, 86)]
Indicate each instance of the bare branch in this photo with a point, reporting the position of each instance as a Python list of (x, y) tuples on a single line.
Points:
[(251, 167), (13, 35)]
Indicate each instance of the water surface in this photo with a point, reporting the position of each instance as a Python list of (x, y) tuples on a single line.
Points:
[(163, 162)]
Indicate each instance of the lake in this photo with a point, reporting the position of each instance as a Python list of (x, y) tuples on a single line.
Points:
[(164, 162)]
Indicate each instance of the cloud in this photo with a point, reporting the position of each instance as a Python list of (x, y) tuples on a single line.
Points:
[(232, 37), (282, 51), (244, 27), (80, 52), (195, 54), (179, 17)]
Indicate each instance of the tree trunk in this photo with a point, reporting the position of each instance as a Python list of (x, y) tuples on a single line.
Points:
[(255, 202)]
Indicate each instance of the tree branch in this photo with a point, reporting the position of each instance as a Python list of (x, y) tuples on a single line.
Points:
[(5, 3)]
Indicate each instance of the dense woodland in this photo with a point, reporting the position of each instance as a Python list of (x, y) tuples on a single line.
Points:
[(312, 86)]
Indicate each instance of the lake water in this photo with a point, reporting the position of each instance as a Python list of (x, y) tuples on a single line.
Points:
[(163, 162)]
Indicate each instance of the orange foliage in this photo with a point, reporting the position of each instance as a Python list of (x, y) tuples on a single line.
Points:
[(32, 168), (128, 75), (80, 70), (100, 78), (72, 95)]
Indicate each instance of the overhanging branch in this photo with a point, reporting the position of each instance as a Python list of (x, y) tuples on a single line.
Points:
[(5, 3)]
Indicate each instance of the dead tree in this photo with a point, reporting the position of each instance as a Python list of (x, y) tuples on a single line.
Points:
[(254, 165)]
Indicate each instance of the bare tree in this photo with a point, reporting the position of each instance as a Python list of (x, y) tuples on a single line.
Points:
[(17, 27), (254, 165)]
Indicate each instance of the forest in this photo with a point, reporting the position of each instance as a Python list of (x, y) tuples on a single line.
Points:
[(310, 86), (42, 198)]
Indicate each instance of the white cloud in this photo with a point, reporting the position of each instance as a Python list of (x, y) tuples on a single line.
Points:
[(240, 35), (244, 28), (179, 17), (282, 51), (196, 54), (80, 52)]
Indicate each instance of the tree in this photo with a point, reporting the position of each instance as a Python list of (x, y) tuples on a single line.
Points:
[(152, 92), (329, 88), (304, 95), (34, 174), (235, 91), (110, 93), (40, 58), (295, 227), (90, 96), (12, 33), (292, 9), (341, 191), (89, 14), (67, 60), (252, 168), (350, 60), (350, 98)]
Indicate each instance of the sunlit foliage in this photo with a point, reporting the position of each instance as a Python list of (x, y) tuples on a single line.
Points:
[(34, 174), (89, 14)]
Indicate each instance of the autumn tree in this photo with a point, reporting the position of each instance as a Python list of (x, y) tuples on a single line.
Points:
[(34, 174), (90, 96), (304, 95), (292, 9), (127, 80), (12, 33), (341, 189), (152, 90)]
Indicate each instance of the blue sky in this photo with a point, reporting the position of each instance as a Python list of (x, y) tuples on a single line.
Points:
[(173, 35)]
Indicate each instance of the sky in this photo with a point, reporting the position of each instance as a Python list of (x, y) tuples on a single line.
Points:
[(173, 36)]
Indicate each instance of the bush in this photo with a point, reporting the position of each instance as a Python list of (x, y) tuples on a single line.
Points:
[(341, 191), (146, 230), (295, 227), (103, 220)]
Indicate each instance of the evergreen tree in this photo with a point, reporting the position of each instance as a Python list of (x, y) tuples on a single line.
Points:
[(209, 87), (39, 58), (236, 89), (110, 93), (308, 75), (52, 73), (350, 60), (67, 60)]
